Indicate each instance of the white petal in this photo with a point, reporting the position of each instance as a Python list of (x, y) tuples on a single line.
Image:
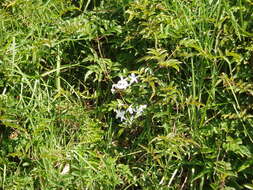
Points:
[(122, 84), (65, 169), (130, 109), (113, 88), (120, 114), (133, 78), (141, 109)]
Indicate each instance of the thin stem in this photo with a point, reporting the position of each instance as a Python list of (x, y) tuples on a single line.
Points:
[(58, 68)]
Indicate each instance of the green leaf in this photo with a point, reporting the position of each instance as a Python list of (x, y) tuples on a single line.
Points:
[(235, 145), (174, 63), (245, 165), (248, 186), (201, 174), (191, 43)]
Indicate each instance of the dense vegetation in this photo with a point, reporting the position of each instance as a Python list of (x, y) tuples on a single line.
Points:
[(126, 94)]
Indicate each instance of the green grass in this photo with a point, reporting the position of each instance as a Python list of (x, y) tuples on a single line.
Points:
[(58, 116)]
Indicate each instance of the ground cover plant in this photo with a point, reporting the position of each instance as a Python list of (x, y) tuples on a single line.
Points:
[(126, 94)]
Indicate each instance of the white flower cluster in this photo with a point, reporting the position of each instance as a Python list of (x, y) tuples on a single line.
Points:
[(123, 83), (134, 112)]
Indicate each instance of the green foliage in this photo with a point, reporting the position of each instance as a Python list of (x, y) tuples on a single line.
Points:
[(126, 94)]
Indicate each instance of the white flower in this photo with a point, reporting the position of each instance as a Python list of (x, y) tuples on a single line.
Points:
[(122, 84), (65, 169), (113, 88), (120, 114), (141, 109), (133, 78), (130, 109)]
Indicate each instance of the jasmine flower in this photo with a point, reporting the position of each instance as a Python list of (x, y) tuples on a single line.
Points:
[(133, 78), (130, 109), (120, 114), (141, 109), (122, 84)]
